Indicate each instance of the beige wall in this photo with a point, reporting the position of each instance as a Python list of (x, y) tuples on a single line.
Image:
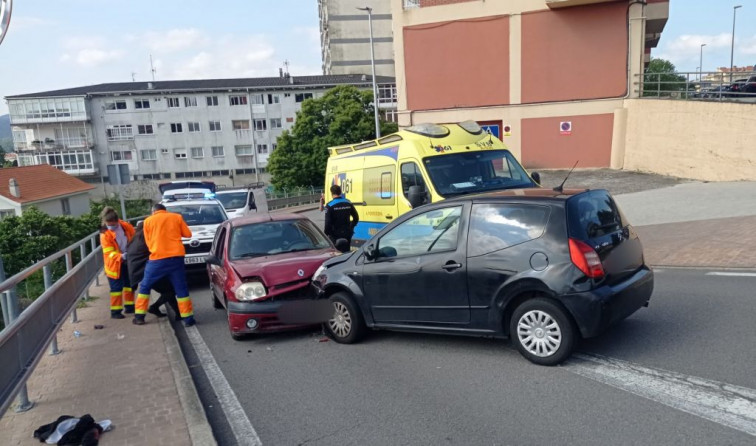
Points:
[(706, 141)]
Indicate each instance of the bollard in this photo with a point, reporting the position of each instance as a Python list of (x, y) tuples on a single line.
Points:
[(94, 246), (83, 252), (69, 265), (23, 400), (47, 275)]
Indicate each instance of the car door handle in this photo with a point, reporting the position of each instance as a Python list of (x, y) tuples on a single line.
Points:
[(452, 266), (389, 217)]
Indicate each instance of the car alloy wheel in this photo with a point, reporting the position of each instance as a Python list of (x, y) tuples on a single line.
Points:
[(539, 333), (341, 323)]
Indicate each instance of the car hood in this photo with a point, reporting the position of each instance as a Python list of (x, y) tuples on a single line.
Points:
[(283, 268), (203, 232)]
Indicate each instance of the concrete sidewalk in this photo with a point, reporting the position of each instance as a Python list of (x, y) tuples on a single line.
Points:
[(132, 375)]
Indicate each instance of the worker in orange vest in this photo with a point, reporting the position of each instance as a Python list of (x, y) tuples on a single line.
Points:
[(115, 234), (162, 234)]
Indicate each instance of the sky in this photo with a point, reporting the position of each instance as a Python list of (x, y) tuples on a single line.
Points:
[(54, 44)]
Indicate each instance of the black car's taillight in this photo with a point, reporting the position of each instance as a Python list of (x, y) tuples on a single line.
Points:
[(586, 259)]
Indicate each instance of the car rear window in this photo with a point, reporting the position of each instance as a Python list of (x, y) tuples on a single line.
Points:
[(498, 226), (592, 215)]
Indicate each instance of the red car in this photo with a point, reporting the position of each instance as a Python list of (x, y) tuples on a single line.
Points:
[(260, 267)]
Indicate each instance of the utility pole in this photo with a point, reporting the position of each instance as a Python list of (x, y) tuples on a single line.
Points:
[(372, 65), (153, 70), (732, 46)]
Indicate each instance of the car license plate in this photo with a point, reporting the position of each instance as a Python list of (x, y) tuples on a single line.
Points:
[(193, 260)]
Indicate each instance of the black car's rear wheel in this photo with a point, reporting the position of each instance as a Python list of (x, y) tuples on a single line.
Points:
[(542, 331), (347, 325)]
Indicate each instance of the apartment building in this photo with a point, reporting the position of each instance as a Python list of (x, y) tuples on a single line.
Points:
[(345, 37), (169, 129), (549, 77)]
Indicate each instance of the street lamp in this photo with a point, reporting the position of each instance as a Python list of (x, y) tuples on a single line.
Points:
[(6, 7), (372, 64), (700, 63), (732, 46)]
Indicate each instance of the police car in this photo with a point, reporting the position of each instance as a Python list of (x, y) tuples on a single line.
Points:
[(195, 201)]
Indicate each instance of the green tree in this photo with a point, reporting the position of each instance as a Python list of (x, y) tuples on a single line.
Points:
[(344, 115), (661, 79)]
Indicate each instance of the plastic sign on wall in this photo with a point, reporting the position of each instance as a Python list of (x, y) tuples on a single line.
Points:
[(565, 128), (491, 129), (507, 130)]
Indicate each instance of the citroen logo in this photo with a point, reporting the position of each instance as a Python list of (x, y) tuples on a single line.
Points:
[(194, 243), (300, 273)]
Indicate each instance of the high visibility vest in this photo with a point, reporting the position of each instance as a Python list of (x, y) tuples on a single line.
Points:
[(110, 251)]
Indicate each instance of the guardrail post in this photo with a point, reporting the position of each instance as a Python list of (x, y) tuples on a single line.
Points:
[(47, 276), (23, 400), (94, 246), (83, 253), (69, 265)]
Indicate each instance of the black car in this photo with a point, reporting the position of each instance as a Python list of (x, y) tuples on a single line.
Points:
[(542, 267)]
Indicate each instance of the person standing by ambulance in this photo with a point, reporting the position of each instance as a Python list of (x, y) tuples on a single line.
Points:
[(337, 217), (115, 235), (163, 232)]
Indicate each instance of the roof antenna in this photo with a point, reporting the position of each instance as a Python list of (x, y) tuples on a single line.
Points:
[(560, 188), (153, 70)]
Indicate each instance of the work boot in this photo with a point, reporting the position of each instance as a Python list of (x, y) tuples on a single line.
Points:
[(189, 321), (138, 320), (128, 309), (116, 315), (156, 311)]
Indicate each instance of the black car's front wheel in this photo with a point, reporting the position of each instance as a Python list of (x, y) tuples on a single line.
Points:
[(347, 325), (542, 331)]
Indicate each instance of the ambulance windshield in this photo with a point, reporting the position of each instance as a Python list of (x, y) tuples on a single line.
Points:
[(471, 172)]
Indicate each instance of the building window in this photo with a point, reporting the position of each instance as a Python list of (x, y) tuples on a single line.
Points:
[(120, 132), (300, 97), (219, 173), (145, 129), (164, 152), (190, 101), (193, 127), (166, 176), (240, 125), (257, 99), (198, 152), (179, 154), (237, 100), (274, 99), (287, 95), (274, 147), (389, 115), (245, 150), (212, 101), (66, 205), (149, 155), (215, 126), (151, 176), (121, 155), (261, 124), (115, 105), (217, 151), (7, 213), (262, 148), (275, 123), (173, 102), (141, 103), (176, 127)]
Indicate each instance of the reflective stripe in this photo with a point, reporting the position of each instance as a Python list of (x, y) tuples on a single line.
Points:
[(108, 249), (127, 289), (142, 303), (115, 293), (185, 306), (113, 254), (128, 296), (111, 274)]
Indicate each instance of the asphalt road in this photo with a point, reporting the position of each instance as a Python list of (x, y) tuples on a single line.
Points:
[(398, 388)]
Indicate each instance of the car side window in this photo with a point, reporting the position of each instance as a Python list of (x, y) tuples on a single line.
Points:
[(220, 240), (411, 176), (498, 226), (432, 231)]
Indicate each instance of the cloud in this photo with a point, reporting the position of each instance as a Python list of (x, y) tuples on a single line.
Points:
[(688, 46), (88, 51), (93, 57), (249, 57), (746, 46), (172, 40)]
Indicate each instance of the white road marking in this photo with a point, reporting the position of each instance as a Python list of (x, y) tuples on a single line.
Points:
[(240, 425), (722, 403), (731, 274)]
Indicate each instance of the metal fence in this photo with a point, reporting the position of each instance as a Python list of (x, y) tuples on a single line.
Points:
[(295, 197), (711, 86)]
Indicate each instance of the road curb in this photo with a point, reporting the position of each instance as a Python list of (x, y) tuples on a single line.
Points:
[(200, 432)]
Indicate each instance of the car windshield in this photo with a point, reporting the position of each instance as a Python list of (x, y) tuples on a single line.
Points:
[(471, 172), (275, 237), (233, 200), (199, 214)]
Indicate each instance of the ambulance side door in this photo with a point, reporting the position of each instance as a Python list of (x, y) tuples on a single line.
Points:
[(410, 175)]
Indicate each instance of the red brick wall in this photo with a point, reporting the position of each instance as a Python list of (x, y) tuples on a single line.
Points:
[(457, 64), (543, 146)]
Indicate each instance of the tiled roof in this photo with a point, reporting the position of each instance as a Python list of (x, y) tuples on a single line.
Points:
[(38, 183), (214, 84)]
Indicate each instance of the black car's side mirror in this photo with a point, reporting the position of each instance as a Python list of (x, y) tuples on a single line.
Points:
[(536, 177), (342, 245), (213, 260), (370, 252), (417, 196)]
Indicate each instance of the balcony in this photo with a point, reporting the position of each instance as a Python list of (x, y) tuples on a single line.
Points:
[(51, 145)]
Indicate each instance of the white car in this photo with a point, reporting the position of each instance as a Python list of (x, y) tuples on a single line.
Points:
[(237, 202)]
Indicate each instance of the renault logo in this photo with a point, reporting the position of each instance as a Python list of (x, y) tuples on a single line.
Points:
[(194, 243), (300, 273)]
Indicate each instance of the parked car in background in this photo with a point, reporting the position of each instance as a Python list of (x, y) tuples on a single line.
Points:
[(542, 267), (749, 87), (260, 264), (236, 201)]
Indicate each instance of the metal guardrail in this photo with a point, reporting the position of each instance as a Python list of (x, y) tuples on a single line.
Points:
[(279, 203), (710, 86)]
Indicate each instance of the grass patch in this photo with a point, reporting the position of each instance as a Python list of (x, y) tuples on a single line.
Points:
[(85, 303)]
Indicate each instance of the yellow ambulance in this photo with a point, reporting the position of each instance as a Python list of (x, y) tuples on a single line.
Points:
[(424, 163)]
